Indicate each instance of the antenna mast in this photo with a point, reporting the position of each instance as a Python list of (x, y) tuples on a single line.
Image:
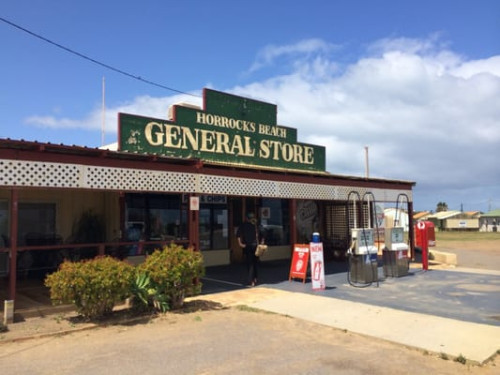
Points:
[(367, 164), (103, 111)]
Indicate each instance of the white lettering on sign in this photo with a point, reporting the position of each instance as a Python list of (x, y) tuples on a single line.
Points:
[(182, 137), (225, 122), (186, 138), (286, 151), (242, 125)]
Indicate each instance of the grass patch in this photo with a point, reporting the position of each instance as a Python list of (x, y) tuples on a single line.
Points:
[(461, 359), (466, 236), (247, 308), (252, 309)]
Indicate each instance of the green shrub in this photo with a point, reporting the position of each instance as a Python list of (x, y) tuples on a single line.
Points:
[(461, 359), (93, 286), (145, 294), (174, 274)]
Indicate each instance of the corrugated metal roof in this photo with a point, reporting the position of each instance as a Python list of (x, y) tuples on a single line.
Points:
[(421, 215), (107, 152), (472, 214), (494, 213), (444, 215)]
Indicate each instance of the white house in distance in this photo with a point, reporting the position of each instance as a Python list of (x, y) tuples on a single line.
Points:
[(391, 214), (455, 220), (490, 221)]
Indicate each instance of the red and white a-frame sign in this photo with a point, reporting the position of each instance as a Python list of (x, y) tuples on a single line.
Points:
[(317, 266), (300, 261)]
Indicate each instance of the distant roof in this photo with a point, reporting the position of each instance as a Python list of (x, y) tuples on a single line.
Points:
[(112, 147), (444, 215), (472, 214), (421, 215), (494, 213)]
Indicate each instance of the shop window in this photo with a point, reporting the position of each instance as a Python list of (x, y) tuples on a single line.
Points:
[(155, 217), (37, 224), (274, 219), (214, 225), (4, 223), (37, 227)]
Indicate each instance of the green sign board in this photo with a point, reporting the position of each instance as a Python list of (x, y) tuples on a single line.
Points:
[(230, 130)]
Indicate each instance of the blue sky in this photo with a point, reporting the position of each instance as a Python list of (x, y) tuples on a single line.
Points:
[(418, 82)]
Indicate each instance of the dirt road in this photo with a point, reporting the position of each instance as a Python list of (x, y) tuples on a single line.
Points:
[(217, 340), (225, 341), (474, 254)]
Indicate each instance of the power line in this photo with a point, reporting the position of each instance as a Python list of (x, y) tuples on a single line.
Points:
[(139, 78)]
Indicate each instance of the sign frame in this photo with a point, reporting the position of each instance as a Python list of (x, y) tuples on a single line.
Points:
[(226, 130), (317, 266), (300, 262)]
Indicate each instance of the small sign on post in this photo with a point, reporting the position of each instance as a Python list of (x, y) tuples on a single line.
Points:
[(194, 203), (300, 260)]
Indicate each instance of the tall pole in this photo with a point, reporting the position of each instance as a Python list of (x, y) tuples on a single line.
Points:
[(103, 113), (367, 166)]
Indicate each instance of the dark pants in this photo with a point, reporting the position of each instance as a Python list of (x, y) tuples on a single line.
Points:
[(252, 262)]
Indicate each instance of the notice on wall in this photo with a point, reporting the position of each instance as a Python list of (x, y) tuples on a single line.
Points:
[(300, 260), (194, 203), (317, 266)]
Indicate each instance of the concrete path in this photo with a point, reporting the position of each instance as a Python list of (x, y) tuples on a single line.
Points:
[(427, 328), (476, 342), (450, 312)]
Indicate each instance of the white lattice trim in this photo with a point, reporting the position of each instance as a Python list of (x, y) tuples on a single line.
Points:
[(62, 175)]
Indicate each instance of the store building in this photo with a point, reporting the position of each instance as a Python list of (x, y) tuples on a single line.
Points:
[(188, 179)]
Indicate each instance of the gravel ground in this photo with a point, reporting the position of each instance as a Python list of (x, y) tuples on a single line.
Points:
[(208, 338)]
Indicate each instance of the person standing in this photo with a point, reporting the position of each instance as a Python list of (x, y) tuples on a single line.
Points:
[(249, 235)]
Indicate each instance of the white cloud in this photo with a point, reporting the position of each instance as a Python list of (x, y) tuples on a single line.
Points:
[(426, 113), (426, 46), (305, 49), (485, 66), (142, 105), (55, 123)]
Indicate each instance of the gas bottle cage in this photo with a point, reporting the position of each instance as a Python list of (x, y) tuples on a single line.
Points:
[(399, 198), (368, 261), (396, 218), (392, 267)]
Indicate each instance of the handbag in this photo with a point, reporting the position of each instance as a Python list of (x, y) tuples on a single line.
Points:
[(261, 248)]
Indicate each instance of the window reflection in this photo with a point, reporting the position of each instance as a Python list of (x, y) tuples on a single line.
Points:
[(155, 217), (275, 220), (214, 225)]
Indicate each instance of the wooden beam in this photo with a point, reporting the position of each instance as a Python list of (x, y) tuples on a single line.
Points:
[(14, 214)]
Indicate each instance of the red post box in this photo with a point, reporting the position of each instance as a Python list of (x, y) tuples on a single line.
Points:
[(431, 234), (423, 241)]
